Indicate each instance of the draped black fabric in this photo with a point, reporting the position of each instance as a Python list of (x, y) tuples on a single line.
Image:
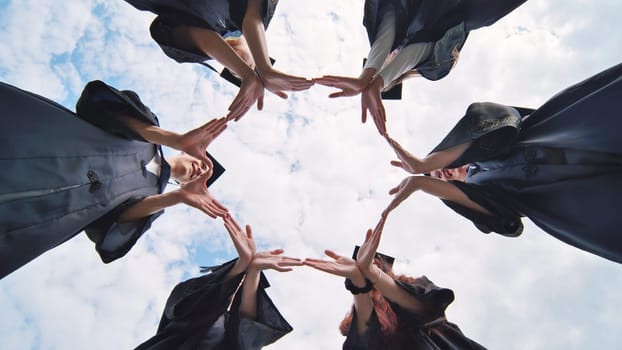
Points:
[(562, 169), (221, 16), (427, 331), (65, 172), (196, 308), (447, 23)]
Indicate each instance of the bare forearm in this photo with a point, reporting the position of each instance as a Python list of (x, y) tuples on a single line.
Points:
[(390, 290), (152, 133), (447, 191), (213, 45), (150, 205), (253, 30), (441, 159), (362, 304), (248, 303)]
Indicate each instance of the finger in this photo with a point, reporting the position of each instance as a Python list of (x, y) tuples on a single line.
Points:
[(233, 223), (282, 269), (276, 251), (215, 210), (397, 163), (242, 113), (249, 231), (260, 102), (219, 128), (367, 235), (290, 260), (332, 254), (379, 125), (363, 114), (219, 206), (394, 190), (281, 94), (314, 260), (208, 212), (290, 263), (337, 94)]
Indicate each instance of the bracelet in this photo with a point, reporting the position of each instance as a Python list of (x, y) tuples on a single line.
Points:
[(356, 290)]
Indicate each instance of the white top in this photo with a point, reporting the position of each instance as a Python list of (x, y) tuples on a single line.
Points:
[(154, 165), (390, 66)]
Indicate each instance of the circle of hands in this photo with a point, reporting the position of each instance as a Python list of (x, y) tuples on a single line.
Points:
[(197, 195)]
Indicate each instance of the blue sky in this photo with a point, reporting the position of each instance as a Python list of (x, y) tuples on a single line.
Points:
[(532, 292)]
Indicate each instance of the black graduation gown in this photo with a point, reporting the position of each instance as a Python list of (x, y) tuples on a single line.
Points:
[(429, 331), (65, 172), (221, 16), (447, 23), (195, 305), (560, 165)]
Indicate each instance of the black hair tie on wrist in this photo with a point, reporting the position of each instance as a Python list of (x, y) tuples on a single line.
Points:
[(356, 290)]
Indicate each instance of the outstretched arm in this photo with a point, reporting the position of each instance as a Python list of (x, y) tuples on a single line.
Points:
[(275, 81), (382, 281), (193, 142), (346, 267), (194, 194), (433, 161), (213, 45), (261, 261), (436, 187)]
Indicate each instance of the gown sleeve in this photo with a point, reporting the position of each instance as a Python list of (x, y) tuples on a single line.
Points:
[(504, 220), (269, 326), (101, 105), (492, 128), (162, 28), (192, 307), (435, 299), (114, 239)]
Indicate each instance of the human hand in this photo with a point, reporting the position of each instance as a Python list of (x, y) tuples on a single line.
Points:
[(250, 91), (195, 194), (278, 82), (349, 86), (273, 260), (406, 161), (401, 192), (195, 141), (371, 100), (242, 241), (340, 265), (367, 251)]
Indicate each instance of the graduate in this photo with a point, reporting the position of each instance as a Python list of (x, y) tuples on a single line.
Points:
[(413, 37), (559, 165), (230, 31), (391, 312), (100, 170), (227, 309)]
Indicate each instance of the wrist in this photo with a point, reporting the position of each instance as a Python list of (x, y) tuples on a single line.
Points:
[(358, 280), (377, 83), (367, 75)]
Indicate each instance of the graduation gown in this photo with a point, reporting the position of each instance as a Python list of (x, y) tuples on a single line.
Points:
[(429, 331), (447, 23), (65, 172), (559, 165), (197, 316), (221, 16)]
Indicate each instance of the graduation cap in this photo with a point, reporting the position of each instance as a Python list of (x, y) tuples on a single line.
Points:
[(218, 169), (394, 93), (386, 259)]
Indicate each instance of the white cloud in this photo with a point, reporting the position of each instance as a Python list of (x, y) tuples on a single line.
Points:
[(532, 292)]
